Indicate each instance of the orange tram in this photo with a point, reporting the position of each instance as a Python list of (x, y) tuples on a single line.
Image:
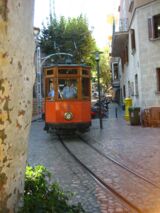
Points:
[(67, 91)]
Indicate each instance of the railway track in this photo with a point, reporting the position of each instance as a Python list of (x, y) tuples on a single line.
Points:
[(127, 205), (135, 173), (124, 173)]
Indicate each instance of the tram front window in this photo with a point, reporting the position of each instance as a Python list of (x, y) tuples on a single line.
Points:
[(68, 88)]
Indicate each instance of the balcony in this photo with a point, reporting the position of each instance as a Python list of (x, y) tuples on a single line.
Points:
[(120, 39)]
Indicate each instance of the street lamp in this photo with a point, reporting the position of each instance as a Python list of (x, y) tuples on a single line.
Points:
[(97, 57)]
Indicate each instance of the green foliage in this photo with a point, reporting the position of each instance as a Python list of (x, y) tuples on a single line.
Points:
[(105, 69), (41, 196), (105, 73), (70, 36), (73, 36)]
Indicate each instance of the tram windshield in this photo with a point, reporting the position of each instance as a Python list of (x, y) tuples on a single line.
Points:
[(68, 88), (67, 82)]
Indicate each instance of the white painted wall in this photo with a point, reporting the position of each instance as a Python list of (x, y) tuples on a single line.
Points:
[(149, 52), (145, 60)]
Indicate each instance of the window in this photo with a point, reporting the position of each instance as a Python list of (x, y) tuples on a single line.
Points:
[(132, 88), (133, 43), (158, 79), (67, 88), (131, 4), (85, 72), (126, 54), (49, 72), (115, 67), (124, 91), (50, 89), (67, 71), (85, 87), (129, 89), (136, 85), (154, 27)]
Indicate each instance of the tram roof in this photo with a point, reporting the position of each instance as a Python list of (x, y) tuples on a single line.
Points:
[(66, 65)]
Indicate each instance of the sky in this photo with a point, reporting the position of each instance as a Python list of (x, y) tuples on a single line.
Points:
[(96, 12)]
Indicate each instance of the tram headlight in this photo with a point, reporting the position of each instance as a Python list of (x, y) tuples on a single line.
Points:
[(68, 115)]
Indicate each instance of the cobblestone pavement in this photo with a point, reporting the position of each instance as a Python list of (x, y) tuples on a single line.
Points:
[(45, 149), (134, 146)]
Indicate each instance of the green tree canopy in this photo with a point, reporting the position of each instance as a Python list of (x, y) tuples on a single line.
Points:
[(70, 35), (105, 69), (105, 74)]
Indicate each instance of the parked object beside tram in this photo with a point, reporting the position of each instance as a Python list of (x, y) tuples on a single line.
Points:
[(95, 110), (70, 106)]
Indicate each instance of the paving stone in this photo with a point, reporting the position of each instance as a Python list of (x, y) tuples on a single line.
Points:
[(136, 147)]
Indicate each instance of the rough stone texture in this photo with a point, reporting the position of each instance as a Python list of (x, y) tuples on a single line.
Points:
[(149, 52), (144, 61), (16, 82)]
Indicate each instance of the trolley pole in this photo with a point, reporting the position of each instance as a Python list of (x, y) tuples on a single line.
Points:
[(39, 81), (97, 53), (38, 85)]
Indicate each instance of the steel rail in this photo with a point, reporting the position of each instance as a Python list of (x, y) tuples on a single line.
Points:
[(121, 198), (120, 164)]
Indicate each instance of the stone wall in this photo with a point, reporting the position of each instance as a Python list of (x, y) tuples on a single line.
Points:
[(149, 56), (144, 60), (136, 4)]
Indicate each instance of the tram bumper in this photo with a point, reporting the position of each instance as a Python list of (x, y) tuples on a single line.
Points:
[(70, 126)]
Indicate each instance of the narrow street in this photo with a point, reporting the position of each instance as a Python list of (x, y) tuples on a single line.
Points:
[(133, 146)]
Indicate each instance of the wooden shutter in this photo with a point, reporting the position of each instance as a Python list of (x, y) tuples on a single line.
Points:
[(133, 43), (126, 54), (131, 4), (158, 79), (150, 28)]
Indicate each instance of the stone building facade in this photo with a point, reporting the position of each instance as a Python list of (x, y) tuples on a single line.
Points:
[(137, 49)]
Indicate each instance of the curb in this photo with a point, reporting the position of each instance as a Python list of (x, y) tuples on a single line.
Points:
[(36, 118)]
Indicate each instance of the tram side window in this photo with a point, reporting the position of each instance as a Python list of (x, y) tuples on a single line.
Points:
[(50, 90), (85, 87), (85, 72), (67, 88)]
